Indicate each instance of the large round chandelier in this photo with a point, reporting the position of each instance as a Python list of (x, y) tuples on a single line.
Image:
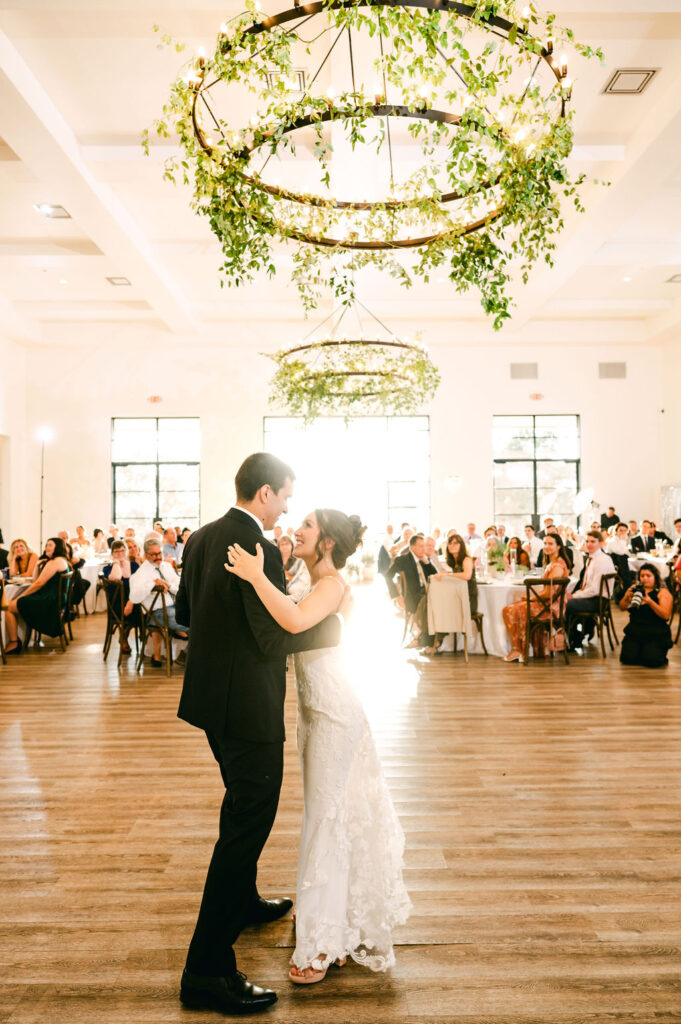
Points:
[(418, 136), (352, 363)]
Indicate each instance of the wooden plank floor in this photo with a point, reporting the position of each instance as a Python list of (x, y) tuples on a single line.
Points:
[(541, 806)]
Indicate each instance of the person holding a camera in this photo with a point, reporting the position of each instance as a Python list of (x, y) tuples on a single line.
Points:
[(647, 636)]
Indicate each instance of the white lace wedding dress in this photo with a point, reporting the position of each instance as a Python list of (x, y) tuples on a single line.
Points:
[(350, 892)]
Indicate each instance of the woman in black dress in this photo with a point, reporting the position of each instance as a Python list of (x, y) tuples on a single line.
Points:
[(38, 605), (647, 637)]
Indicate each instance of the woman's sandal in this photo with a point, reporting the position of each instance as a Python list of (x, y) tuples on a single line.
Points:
[(314, 976), (514, 656)]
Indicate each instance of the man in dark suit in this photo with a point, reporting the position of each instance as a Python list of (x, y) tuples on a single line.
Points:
[(234, 689), (609, 518), (416, 570), (645, 540)]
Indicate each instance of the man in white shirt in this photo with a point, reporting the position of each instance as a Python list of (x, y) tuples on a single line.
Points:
[(430, 555), (533, 545), (619, 544), (155, 574), (677, 537), (584, 598)]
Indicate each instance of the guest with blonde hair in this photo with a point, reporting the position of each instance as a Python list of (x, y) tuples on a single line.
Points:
[(22, 561)]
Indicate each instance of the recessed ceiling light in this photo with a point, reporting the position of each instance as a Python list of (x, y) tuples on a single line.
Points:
[(62, 280), (52, 211), (674, 279), (629, 81), (626, 279), (118, 281)]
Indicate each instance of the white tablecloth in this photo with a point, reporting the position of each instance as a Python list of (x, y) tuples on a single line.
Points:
[(492, 597), (90, 571), (661, 563)]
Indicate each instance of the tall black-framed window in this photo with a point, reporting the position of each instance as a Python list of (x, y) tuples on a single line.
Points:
[(155, 469), (536, 470)]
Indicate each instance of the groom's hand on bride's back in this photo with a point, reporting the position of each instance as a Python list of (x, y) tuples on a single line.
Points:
[(347, 604)]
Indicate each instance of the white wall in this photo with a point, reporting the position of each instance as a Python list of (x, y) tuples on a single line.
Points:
[(226, 385), (671, 379), (13, 469)]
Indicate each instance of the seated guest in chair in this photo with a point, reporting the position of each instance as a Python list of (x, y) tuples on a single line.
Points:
[(416, 570), (659, 534), (645, 540), (676, 543), (156, 574), (122, 568), (22, 561), (609, 518), (99, 542), (459, 566), (521, 556), (431, 556), (556, 566), (618, 549), (647, 636), (172, 549), (584, 598), (38, 606), (532, 545)]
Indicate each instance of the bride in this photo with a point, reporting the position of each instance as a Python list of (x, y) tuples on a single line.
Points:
[(350, 891)]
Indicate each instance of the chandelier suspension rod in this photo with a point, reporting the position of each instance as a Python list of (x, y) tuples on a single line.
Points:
[(385, 95)]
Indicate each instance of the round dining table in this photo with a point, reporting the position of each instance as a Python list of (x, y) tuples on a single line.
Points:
[(493, 595)]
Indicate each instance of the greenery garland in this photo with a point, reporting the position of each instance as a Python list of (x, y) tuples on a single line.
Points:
[(509, 181), (346, 375)]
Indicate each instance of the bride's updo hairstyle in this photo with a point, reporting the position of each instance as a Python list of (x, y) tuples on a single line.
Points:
[(345, 531)]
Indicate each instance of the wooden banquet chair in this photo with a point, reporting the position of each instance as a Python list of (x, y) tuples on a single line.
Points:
[(3, 656), (63, 598), (603, 616), (149, 625), (114, 592), (543, 618), (409, 617)]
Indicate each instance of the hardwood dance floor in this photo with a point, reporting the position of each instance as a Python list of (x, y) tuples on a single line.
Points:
[(540, 803)]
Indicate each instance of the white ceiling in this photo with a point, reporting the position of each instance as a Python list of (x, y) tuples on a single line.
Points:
[(80, 79)]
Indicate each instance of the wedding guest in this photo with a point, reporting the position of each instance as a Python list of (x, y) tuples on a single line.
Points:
[(521, 556), (129, 533), (493, 549), (82, 543), (647, 636), (618, 549), (660, 534), (185, 535), (156, 574), (645, 540), (99, 542), (122, 568), (290, 531), (172, 550), (134, 553), (4, 559), (676, 548), (401, 547), (566, 552), (459, 566), (515, 615), (549, 525), (501, 534), (113, 534), (158, 527), (278, 532), (416, 571), (295, 570), (471, 535), (22, 561), (431, 555), (584, 598), (677, 569), (437, 537), (533, 546), (609, 518), (37, 605), (633, 528)]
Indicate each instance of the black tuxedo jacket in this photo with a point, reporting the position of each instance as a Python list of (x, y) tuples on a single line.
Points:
[(407, 565), (4, 559), (235, 675), (639, 543)]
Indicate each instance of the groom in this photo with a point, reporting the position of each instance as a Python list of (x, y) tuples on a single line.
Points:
[(234, 689)]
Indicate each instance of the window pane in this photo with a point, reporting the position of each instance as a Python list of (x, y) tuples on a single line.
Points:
[(178, 477), (134, 505), (407, 492), (134, 440), (513, 488), (179, 439), (557, 437), (512, 437), (515, 525), (178, 505), (135, 478), (556, 488)]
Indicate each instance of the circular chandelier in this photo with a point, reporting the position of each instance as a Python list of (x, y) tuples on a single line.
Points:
[(331, 373), (413, 136)]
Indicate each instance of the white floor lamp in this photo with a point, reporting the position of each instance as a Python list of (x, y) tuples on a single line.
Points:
[(44, 435)]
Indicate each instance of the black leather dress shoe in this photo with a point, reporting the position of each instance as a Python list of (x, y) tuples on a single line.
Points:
[(263, 911), (232, 994)]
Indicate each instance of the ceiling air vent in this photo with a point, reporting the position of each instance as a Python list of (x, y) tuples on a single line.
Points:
[(674, 279), (630, 81), (524, 371), (610, 371)]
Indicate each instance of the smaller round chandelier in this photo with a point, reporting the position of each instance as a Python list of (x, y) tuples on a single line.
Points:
[(339, 368)]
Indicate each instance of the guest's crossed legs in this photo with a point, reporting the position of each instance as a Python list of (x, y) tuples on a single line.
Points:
[(252, 774)]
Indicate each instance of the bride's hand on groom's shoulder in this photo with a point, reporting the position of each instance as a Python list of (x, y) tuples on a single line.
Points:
[(246, 567)]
